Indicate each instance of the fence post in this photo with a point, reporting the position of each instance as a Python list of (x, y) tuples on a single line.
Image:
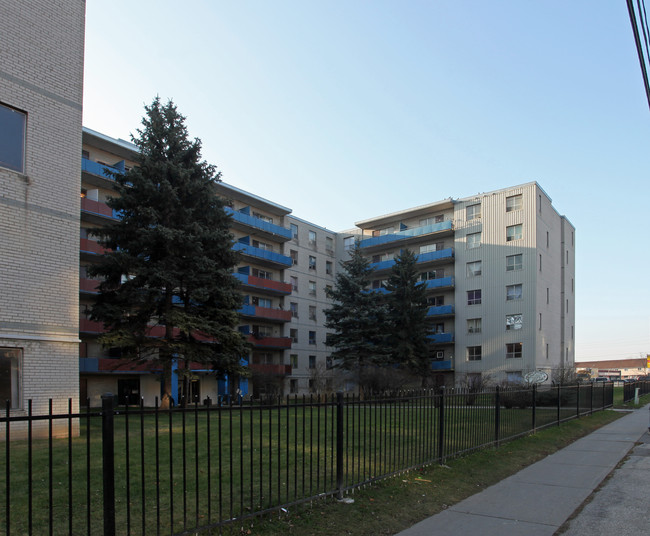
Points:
[(559, 402), (534, 407), (441, 425), (577, 401), (497, 416), (339, 445), (108, 462), (591, 398)]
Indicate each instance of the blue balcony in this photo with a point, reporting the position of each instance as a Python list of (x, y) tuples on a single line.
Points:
[(408, 233), (100, 169), (441, 282), (257, 223), (431, 256), (270, 257), (442, 365), (440, 338), (440, 310)]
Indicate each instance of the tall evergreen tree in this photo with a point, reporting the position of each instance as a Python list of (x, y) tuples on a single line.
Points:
[(357, 318), (171, 261), (407, 312)]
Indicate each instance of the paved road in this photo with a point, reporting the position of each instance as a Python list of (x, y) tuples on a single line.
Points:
[(539, 499)]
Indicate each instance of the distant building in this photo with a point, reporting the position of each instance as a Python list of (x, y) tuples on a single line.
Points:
[(614, 368), (499, 271)]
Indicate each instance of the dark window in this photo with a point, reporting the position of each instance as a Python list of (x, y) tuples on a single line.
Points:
[(12, 138)]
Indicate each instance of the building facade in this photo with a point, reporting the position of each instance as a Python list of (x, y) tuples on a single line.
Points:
[(499, 270), (41, 81)]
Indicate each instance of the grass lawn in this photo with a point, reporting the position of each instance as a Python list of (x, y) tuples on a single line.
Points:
[(198, 468)]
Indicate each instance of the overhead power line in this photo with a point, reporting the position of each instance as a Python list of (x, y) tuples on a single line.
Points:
[(642, 22)]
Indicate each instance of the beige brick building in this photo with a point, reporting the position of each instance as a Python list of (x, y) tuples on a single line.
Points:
[(41, 78)]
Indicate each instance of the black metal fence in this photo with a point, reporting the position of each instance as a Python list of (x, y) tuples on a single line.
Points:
[(202, 469), (629, 389)]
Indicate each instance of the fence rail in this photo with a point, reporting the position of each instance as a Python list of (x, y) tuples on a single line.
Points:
[(178, 471)]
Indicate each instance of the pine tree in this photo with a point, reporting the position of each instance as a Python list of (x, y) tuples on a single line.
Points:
[(171, 261), (357, 318), (407, 312)]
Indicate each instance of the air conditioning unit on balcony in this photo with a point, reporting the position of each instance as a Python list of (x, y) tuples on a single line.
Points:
[(440, 355)]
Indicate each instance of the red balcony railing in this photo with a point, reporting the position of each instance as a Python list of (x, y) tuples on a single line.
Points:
[(270, 342), (272, 370), (96, 207), (88, 285), (91, 246), (271, 285)]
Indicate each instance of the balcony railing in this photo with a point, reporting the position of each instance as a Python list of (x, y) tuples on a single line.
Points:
[(431, 256), (441, 282), (266, 313), (275, 287), (97, 208), (263, 254), (440, 310), (442, 365), (88, 326), (258, 223), (408, 233), (441, 337), (98, 169), (88, 285), (86, 245), (280, 343), (271, 370)]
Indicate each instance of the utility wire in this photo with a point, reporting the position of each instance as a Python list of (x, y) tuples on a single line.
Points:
[(639, 47)]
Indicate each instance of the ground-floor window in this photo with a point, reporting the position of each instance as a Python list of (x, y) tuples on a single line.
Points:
[(10, 377)]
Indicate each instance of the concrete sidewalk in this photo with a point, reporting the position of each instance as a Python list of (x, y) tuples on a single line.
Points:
[(539, 500)]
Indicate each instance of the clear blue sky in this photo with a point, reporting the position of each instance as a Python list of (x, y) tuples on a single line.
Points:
[(344, 110)]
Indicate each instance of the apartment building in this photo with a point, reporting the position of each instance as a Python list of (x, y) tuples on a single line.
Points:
[(312, 250), (500, 276), (41, 75)]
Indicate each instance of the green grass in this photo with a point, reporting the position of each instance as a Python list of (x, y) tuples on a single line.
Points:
[(261, 458), (399, 502)]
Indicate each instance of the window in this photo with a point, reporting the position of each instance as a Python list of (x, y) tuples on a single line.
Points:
[(474, 297), (430, 221), (293, 361), (473, 269), (514, 232), (473, 353), (312, 361), (540, 262), (473, 240), (262, 245), (329, 362), (548, 296), (294, 282), (293, 333), (514, 292), (294, 231), (514, 262), (473, 212), (10, 375), (312, 337), (432, 274), (293, 307), (293, 386), (514, 202), (513, 350), (262, 217), (514, 322), (329, 267), (12, 138), (312, 288), (262, 274), (540, 321), (312, 386), (294, 256), (262, 302), (547, 239), (329, 244), (386, 231), (312, 312), (312, 237), (312, 262), (439, 327), (348, 243), (473, 325)]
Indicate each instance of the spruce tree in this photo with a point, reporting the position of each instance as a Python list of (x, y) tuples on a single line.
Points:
[(407, 312), (172, 260), (357, 319)]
